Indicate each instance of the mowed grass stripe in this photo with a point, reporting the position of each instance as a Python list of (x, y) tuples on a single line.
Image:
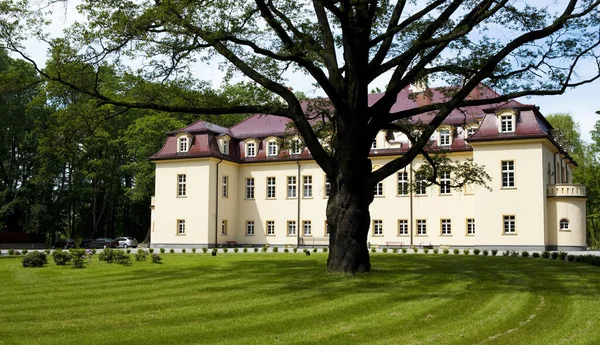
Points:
[(248, 298)]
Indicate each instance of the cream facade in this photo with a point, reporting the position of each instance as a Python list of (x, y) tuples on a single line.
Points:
[(212, 197)]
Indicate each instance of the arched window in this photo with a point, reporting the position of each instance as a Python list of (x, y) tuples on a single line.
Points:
[(563, 224)]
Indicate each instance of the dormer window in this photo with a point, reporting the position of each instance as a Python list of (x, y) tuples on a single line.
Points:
[(296, 147), (223, 142), (225, 147), (471, 131), (183, 143), (250, 149), (507, 119), (445, 137)]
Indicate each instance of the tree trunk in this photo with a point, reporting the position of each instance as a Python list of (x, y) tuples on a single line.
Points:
[(349, 220)]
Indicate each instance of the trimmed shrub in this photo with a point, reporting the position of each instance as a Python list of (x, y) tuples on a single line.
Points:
[(545, 254), (225, 250), (183, 250), (245, 250), (141, 255), (466, 251), (128, 251), (78, 257), (562, 255), (295, 250), (384, 250), (151, 250), (275, 250), (265, 248), (115, 256), (514, 253), (435, 251), (156, 258), (476, 251), (314, 250), (554, 255), (61, 258), (194, 250), (404, 250), (204, 250), (571, 257), (446, 251), (456, 251), (235, 250), (35, 259), (256, 250), (25, 251), (373, 249), (11, 252), (47, 251), (494, 252), (506, 253), (285, 250), (535, 255), (485, 252), (425, 250), (524, 253), (171, 250), (215, 250), (415, 249), (325, 250), (162, 250)]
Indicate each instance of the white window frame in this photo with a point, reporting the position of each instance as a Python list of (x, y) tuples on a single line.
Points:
[(270, 226), (271, 187), (224, 227), (420, 185), (292, 187), (250, 149), (470, 226), (183, 144), (509, 224), (307, 190), (327, 187), (421, 227), (181, 185), (250, 230), (272, 148), (445, 183), (507, 123), (564, 225), (403, 227), (403, 188), (296, 148), (470, 131), (377, 227), (249, 195), (291, 228), (180, 227), (225, 147), (224, 186), (306, 228), (445, 137), (508, 174), (446, 227), (378, 190)]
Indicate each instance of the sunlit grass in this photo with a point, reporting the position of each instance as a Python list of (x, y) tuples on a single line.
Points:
[(248, 298)]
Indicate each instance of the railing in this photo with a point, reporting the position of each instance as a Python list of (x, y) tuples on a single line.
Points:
[(565, 189)]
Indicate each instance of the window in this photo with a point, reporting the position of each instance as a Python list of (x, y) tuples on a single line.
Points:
[(270, 187), (307, 186), (507, 124), (374, 144), (270, 227), (250, 188), (420, 184), (291, 228), (183, 144), (224, 191), (509, 225), (224, 227), (445, 137), (377, 227), (225, 146), (326, 228), (250, 149), (402, 183), (446, 227), (272, 148), (378, 190), (307, 227), (180, 226), (296, 147), (470, 226), (327, 187), (249, 228), (471, 131), (564, 224), (508, 174), (291, 186), (181, 185), (445, 183), (421, 227), (402, 227)]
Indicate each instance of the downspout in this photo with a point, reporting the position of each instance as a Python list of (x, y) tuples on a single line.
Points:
[(411, 206), (554, 165), (217, 203), (298, 213)]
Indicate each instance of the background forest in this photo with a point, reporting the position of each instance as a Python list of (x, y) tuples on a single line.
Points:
[(73, 167)]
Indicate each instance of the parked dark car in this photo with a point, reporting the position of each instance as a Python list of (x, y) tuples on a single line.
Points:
[(126, 242), (86, 242), (64, 243), (103, 242)]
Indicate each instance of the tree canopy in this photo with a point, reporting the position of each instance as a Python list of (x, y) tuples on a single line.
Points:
[(514, 47)]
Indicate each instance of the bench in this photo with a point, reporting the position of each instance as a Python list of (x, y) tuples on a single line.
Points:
[(316, 241), (394, 244), (444, 246), (426, 244), (231, 244)]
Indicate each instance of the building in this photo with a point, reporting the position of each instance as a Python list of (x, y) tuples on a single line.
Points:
[(237, 186)]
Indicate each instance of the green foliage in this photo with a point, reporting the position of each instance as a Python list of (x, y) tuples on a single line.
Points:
[(456, 251), (235, 250), (156, 258), (256, 250), (394, 250), (485, 252), (446, 251), (245, 250), (562, 255), (115, 256), (524, 253), (141, 255), (151, 250), (415, 249), (435, 251), (383, 250), (315, 250), (535, 255), (225, 250), (425, 250), (545, 254), (61, 258), (128, 251), (162, 250), (171, 250), (275, 249), (47, 251), (194, 250), (466, 251), (11, 252), (78, 258), (24, 251), (571, 257), (265, 248), (34, 259), (183, 250), (514, 253), (404, 250), (476, 251), (295, 249), (285, 250), (554, 255), (494, 252), (204, 250), (506, 253), (373, 249)]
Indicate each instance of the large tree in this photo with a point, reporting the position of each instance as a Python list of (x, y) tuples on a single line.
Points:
[(344, 46)]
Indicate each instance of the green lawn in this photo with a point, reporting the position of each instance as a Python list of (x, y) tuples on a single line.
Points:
[(248, 298)]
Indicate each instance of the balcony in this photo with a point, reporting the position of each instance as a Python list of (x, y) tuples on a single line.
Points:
[(565, 190)]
